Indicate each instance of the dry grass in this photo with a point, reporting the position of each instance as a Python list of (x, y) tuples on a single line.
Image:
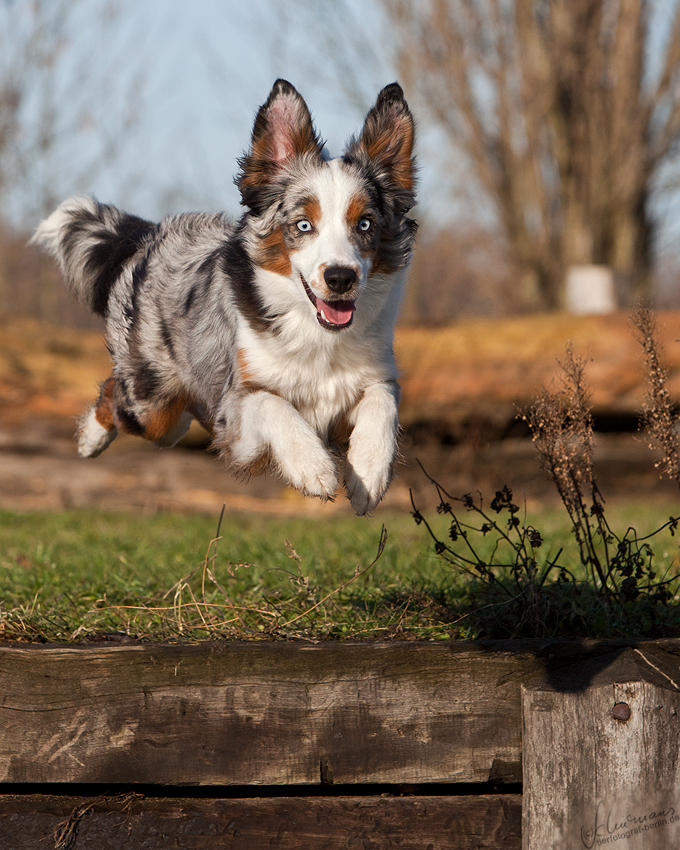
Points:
[(84, 575), (487, 366), (48, 371)]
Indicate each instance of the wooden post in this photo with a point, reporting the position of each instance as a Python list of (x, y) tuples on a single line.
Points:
[(601, 756)]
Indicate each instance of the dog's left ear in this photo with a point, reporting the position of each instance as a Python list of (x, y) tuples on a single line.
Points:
[(283, 130), (388, 136)]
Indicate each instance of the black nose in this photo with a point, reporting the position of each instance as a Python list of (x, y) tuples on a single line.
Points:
[(339, 279)]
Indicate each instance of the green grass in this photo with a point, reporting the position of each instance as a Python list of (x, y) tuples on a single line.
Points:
[(89, 572), (86, 574)]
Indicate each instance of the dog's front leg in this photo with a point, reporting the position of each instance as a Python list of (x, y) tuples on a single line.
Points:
[(372, 446), (266, 425)]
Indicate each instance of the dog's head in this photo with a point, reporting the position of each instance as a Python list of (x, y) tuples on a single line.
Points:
[(329, 225)]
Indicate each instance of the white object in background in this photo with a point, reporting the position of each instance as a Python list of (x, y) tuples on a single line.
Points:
[(590, 289)]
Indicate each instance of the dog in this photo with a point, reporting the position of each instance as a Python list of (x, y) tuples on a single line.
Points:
[(275, 331)]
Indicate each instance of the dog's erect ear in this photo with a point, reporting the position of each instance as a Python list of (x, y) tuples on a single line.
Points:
[(283, 130), (283, 127), (388, 136)]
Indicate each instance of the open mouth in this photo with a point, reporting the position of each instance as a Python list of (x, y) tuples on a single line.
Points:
[(332, 315)]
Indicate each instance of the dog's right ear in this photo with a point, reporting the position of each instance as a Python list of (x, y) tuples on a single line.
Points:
[(283, 130)]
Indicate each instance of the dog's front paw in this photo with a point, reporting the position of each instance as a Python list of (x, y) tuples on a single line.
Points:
[(366, 482), (272, 429), (372, 447), (298, 455), (310, 469)]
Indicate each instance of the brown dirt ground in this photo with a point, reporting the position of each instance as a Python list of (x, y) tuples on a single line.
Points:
[(473, 372)]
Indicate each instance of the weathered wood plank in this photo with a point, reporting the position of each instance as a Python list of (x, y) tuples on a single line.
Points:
[(332, 823), (602, 764), (260, 713), (269, 713)]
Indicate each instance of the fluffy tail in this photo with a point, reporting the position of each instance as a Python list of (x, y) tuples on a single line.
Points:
[(92, 242)]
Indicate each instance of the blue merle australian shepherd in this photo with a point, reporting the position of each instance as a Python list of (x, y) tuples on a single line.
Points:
[(275, 332)]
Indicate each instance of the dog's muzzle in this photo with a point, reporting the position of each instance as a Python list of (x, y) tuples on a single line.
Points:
[(332, 315)]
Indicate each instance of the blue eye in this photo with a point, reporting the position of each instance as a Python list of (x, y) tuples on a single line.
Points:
[(365, 224), (304, 226)]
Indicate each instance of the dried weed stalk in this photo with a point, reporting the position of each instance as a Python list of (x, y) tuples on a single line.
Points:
[(525, 597), (620, 567), (561, 425), (659, 415)]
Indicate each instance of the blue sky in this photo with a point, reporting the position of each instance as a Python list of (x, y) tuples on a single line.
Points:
[(204, 66), (200, 70), (195, 73), (211, 64)]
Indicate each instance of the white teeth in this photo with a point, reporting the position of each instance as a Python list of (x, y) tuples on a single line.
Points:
[(323, 316)]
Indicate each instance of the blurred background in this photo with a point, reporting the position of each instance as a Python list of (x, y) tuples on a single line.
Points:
[(549, 204)]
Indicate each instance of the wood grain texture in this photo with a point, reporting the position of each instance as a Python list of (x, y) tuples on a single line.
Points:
[(262, 713), (592, 780), (410, 823), (273, 713)]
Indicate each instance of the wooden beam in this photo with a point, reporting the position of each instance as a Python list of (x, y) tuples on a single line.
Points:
[(262, 713), (334, 823)]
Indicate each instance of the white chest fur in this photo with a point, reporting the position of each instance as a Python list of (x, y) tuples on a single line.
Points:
[(322, 374)]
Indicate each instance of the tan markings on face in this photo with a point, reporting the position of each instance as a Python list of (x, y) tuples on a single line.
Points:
[(356, 210), (161, 421), (273, 253), (103, 411), (311, 210)]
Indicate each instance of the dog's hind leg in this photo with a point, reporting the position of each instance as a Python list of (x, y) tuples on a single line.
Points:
[(162, 421), (97, 429), (116, 408), (176, 432)]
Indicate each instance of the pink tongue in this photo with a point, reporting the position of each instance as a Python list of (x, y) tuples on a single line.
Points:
[(337, 312)]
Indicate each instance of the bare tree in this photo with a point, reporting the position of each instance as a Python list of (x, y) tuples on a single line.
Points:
[(460, 270), (69, 98), (565, 112), (67, 102)]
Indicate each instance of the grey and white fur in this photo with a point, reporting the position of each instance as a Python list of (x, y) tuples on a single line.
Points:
[(275, 331)]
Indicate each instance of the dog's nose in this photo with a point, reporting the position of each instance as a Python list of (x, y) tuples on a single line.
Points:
[(339, 279)]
